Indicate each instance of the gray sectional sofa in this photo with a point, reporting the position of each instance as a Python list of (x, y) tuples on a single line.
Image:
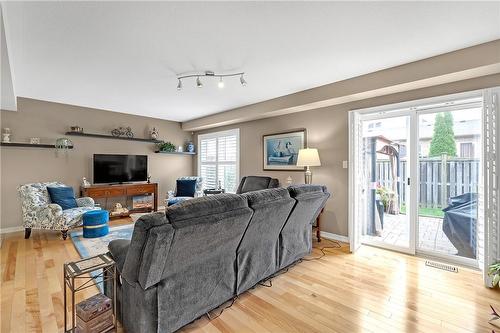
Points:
[(203, 252)]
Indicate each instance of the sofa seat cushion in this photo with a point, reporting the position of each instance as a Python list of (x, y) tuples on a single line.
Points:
[(74, 217), (118, 249)]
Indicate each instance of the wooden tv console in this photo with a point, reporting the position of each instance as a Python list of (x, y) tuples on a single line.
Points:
[(122, 190)]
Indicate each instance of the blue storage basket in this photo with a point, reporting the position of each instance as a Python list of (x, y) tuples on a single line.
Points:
[(95, 223)]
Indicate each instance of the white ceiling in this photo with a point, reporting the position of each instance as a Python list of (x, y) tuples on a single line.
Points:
[(125, 56)]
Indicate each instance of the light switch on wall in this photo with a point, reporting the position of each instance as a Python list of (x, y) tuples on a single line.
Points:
[(345, 164)]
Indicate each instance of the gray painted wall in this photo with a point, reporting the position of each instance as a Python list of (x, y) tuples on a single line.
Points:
[(51, 120)]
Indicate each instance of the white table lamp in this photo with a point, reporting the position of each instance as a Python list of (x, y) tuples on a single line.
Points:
[(307, 158)]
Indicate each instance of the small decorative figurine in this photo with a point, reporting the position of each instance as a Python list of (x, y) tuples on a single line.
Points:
[(180, 149), (119, 210), (149, 179), (6, 135), (35, 141), (85, 182), (154, 133), (289, 181), (190, 147), (123, 131)]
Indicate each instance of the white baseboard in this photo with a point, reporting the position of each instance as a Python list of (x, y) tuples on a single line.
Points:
[(329, 235), (11, 230)]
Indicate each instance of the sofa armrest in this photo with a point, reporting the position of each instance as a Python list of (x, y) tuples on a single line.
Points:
[(148, 250), (39, 216), (85, 202), (118, 249)]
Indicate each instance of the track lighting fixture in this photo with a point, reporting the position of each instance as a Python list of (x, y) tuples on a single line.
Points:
[(220, 84)]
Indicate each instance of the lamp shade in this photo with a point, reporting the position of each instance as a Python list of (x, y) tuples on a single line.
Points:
[(308, 157)]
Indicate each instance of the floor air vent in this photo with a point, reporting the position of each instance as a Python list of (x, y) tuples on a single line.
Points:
[(442, 266)]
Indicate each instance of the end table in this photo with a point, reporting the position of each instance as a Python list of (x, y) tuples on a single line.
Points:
[(318, 223), (211, 191), (80, 270)]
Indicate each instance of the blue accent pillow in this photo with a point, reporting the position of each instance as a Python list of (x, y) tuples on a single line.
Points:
[(186, 187), (63, 196)]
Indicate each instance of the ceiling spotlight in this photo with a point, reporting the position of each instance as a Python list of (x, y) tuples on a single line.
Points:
[(242, 80), (179, 85), (221, 83), (198, 82)]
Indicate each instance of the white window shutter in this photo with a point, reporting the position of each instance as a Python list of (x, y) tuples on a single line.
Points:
[(218, 160), (488, 249)]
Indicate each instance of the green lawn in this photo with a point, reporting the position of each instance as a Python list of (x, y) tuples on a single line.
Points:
[(431, 212)]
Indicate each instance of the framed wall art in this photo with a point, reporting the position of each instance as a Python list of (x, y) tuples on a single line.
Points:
[(282, 149)]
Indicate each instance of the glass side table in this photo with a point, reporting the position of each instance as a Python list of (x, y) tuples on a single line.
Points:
[(80, 271)]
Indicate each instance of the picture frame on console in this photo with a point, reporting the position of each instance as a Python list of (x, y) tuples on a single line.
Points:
[(280, 150)]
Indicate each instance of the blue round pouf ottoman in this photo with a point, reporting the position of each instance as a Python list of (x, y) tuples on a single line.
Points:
[(95, 223)]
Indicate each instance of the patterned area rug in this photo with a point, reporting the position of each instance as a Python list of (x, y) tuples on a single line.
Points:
[(88, 247)]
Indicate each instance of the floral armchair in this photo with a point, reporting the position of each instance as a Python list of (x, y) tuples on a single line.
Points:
[(172, 197), (39, 213)]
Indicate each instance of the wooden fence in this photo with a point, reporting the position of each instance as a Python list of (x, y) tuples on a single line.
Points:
[(461, 176)]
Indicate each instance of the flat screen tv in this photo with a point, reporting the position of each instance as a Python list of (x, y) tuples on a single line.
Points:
[(110, 169)]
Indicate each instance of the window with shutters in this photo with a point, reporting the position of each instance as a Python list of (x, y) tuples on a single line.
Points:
[(218, 159)]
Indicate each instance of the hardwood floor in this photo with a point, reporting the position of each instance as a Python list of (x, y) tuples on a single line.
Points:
[(372, 291)]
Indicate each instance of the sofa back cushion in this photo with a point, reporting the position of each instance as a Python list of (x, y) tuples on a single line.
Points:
[(36, 194), (200, 268), (295, 237), (256, 183), (257, 256)]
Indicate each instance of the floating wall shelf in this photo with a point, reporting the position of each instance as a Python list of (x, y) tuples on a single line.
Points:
[(106, 136), (175, 152), (31, 145)]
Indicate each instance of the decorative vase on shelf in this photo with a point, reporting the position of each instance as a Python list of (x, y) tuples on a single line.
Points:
[(190, 147), (154, 133), (63, 144), (6, 135)]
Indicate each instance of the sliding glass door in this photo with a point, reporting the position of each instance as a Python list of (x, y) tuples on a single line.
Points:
[(417, 176), (449, 174), (385, 147)]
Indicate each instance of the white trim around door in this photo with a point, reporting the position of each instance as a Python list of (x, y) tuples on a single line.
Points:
[(488, 251)]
